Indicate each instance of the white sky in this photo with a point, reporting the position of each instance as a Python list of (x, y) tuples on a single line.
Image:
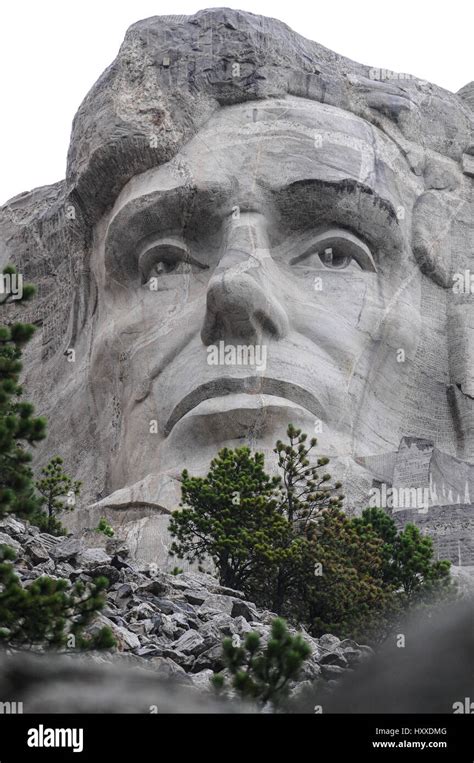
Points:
[(52, 51)]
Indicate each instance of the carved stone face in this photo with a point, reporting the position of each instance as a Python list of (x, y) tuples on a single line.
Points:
[(262, 276), (253, 231)]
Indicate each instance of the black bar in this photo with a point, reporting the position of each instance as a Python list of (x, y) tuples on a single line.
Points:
[(136, 737)]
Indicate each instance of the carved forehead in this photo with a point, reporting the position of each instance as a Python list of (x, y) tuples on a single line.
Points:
[(289, 139), (276, 144)]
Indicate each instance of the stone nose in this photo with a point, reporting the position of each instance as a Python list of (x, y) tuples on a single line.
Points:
[(240, 303)]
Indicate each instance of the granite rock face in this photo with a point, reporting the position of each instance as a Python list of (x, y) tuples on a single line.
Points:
[(252, 230)]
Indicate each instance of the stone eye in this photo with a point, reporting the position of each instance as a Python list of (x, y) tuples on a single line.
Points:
[(334, 259), (166, 256), (162, 267), (336, 249)]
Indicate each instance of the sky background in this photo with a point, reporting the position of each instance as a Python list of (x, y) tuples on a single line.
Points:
[(52, 52)]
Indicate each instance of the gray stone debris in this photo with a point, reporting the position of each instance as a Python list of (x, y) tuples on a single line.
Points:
[(172, 625)]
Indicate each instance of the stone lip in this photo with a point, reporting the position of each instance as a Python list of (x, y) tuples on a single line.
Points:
[(224, 387), (168, 627)]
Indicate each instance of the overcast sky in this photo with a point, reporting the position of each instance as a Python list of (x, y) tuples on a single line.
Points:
[(52, 51)]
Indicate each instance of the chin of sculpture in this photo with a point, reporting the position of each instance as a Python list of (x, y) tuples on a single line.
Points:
[(254, 231)]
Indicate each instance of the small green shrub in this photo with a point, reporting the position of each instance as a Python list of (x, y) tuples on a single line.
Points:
[(264, 673)]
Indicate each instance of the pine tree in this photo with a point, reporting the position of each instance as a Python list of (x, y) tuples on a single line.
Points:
[(264, 673), (19, 428), (408, 560), (58, 494), (306, 493), (230, 516), (344, 591), (49, 612)]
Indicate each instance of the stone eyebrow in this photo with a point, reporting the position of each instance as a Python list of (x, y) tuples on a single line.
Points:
[(313, 203), (346, 186), (158, 210)]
